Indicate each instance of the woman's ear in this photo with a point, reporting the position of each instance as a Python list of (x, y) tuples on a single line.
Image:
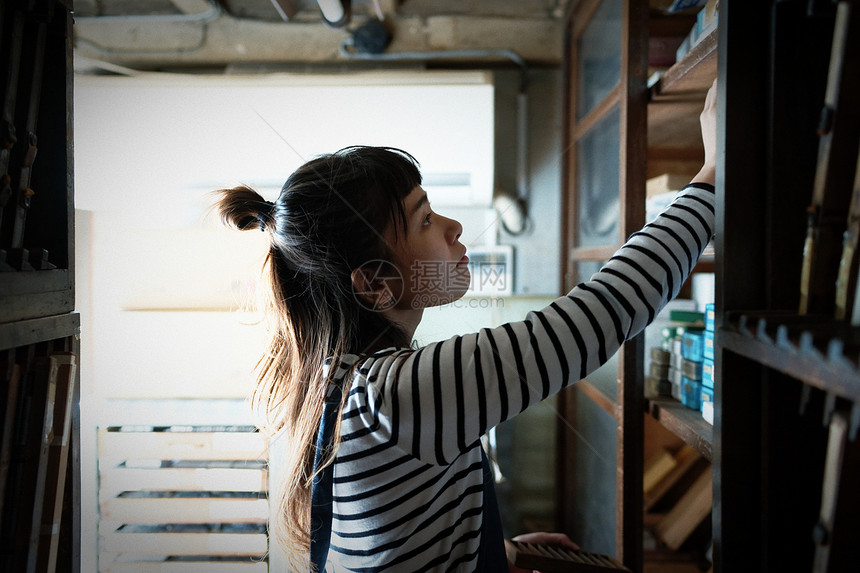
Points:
[(377, 285)]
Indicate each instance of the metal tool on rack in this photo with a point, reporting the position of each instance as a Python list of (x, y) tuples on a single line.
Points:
[(839, 132), (836, 531), (7, 121), (847, 297), (18, 256)]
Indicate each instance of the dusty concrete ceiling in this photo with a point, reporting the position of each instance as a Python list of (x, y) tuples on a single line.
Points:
[(212, 34)]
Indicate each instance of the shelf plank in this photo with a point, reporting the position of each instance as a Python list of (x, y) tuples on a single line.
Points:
[(693, 74), (677, 100), (817, 351), (24, 332), (685, 423)]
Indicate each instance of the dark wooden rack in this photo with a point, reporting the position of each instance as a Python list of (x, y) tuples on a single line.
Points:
[(818, 351), (39, 332)]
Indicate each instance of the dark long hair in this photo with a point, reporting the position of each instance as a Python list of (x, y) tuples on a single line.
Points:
[(328, 220)]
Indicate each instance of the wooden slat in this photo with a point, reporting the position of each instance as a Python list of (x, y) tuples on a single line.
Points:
[(26, 332), (181, 445), (686, 457), (45, 391), (598, 396), (694, 73), (117, 480), (184, 510), (603, 253), (13, 379), (596, 115), (685, 423), (252, 566), (688, 513), (58, 456), (181, 543)]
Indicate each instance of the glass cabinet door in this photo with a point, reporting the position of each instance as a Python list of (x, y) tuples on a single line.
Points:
[(605, 66)]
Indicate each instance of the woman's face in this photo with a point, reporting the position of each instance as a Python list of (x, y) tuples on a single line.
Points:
[(429, 256)]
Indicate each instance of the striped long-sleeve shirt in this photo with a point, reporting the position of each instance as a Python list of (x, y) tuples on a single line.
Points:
[(408, 477)]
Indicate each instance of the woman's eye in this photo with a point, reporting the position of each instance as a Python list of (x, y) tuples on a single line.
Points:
[(427, 219)]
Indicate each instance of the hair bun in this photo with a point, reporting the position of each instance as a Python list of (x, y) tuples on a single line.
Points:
[(265, 214)]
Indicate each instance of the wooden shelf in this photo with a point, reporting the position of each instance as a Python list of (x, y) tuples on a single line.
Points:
[(31, 294), (693, 74), (677, 99), (819, 351), (685, 423), (25, 332)]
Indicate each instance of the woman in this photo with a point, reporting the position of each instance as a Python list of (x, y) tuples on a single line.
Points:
[(394, 464)]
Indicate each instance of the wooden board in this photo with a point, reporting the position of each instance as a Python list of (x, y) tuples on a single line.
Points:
[(686, 458), (181, 445), (58, 457), (251, 566), (688, 513), (114, 481), (179, 543), (185, 510)]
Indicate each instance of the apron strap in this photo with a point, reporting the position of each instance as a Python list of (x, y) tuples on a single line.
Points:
[(321, 488), (491, 554)]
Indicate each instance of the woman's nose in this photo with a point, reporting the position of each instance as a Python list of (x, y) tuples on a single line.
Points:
[(455, 230)]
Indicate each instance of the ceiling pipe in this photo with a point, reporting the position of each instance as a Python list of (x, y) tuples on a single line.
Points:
[(206, 16)]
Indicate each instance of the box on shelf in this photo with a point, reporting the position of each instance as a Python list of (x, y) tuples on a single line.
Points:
[(708, 373), (655, 387), (708, 348), (691, 369), (678, 5), (691, 393), (660, 356), (688, 318), (676, 358), (693, 345), (709, 317), (675, 379), (663, 341), (707, 395), (708, 412), (706, 22)]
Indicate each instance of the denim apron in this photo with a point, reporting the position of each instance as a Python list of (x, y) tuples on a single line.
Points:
[(491, 553)]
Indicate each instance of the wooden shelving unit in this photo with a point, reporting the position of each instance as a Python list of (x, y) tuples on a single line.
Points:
[(40, 499), (785, 442), (669, 141), (787, 384)]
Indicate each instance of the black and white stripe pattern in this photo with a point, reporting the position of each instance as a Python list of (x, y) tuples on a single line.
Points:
[(408, 477)]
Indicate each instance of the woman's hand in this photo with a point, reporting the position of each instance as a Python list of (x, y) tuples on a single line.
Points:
[(708, 121), (557, 539)]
